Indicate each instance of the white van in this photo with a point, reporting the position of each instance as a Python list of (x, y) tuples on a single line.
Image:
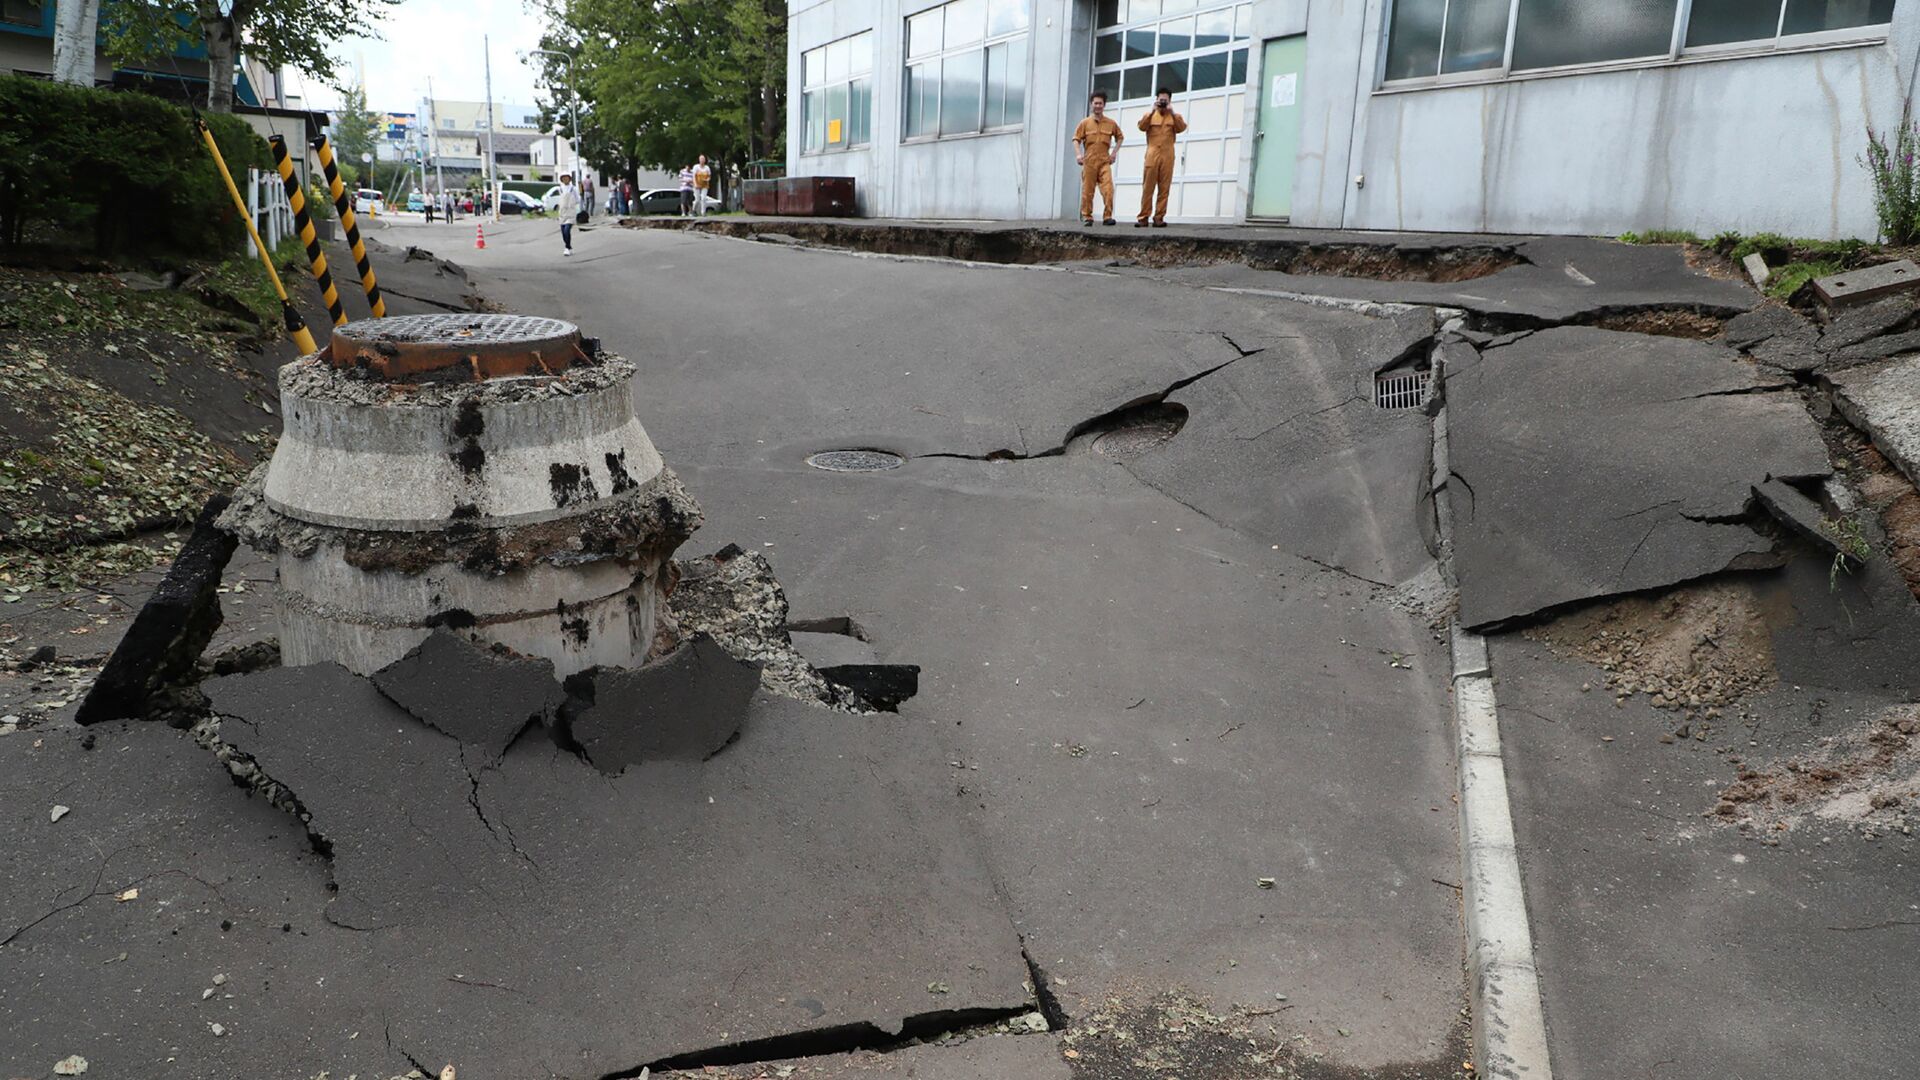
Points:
[(369, 201)]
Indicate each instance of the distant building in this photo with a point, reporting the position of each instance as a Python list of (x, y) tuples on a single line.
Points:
[(1600, 116)]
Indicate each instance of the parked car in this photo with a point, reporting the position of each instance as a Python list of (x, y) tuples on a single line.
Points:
[(550, 202), (657, 201), (369, 201), (416, 202), (517, 202)]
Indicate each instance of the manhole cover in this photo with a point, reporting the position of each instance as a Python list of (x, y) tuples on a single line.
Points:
[(856, 460), (434, 348)]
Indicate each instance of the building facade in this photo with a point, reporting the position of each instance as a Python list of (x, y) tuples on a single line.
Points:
[(1550, 116)]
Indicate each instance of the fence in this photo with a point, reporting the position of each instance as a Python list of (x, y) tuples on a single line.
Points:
[(267, 202)]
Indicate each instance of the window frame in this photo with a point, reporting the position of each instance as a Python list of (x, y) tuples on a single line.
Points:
[(1235, 43), (843, 82), (1677, 54), (938, 59)]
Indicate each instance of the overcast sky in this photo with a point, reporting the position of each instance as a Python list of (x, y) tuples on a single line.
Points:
[(441, 39)]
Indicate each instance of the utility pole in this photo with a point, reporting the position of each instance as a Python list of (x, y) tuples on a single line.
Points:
[(74, 24), (433, 140), (486, 45)]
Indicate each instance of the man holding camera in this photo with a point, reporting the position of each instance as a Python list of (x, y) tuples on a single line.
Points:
[(1161, 125)]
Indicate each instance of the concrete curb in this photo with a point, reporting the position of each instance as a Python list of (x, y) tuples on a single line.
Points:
[(1509, 1024)]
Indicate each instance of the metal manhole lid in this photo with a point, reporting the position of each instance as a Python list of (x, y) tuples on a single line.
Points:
[(855, 460), (432, 348)]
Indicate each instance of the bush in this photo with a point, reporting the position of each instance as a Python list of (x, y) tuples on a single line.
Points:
[(1896, 182), (125, 170)]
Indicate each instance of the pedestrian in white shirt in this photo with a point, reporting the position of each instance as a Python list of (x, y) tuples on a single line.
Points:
[(569, 207)]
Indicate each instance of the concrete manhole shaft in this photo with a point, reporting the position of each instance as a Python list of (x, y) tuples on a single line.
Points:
[(855, 460), (482, 473)]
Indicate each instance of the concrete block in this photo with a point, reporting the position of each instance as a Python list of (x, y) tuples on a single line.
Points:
[(1756, 265), (1867, 283), (1884, 401)]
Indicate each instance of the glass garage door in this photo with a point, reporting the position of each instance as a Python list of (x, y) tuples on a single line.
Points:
[(1199, 51)]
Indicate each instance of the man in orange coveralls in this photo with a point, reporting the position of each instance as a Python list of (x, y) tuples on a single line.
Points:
[(1091, 148), (1161, 125)]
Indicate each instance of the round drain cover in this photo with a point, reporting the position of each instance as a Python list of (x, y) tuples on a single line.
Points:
[(855, 460)]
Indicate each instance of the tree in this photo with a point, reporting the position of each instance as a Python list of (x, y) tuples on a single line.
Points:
[(663, 81), (352, 132), (286, 33)]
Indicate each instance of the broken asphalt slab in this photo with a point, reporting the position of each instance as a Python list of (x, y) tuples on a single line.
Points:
[(1589, 463), (531, 917), (479, 696), (1288, 447), (685, 706), (172, 628)]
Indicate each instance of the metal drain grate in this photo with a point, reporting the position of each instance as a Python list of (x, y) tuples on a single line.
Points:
[(855, 460), (1400, 389)]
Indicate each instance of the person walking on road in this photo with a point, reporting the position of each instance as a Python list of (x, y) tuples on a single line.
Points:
[(686, 191), (430, 202), (1094, 141), (569, 206), (702, 181), (1161, 125)]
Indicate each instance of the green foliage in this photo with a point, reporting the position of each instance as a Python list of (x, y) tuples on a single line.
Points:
[(127, 170), (352, 132), (1896, 181), (1786, 280), (1660, 236), (286, 33), (663, 81)]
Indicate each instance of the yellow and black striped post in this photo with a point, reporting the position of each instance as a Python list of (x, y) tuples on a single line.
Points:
[(304, 226), (296, 326), (345, 208)]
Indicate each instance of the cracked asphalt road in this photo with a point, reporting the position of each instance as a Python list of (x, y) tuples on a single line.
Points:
[(1270, 734)]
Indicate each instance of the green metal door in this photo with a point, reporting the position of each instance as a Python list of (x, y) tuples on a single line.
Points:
[(1282, 68)]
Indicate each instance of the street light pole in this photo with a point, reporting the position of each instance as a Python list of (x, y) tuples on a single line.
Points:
[(573, 90)]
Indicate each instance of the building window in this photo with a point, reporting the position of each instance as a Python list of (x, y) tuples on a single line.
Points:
[(837, 104), (966, 68), (1429, 39), (20, 12), (1136, 51)]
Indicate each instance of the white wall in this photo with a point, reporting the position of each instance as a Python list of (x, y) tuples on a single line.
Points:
[(1012, 174), (1766, 143)]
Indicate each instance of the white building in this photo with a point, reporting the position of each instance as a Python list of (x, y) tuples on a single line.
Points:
[(1559, 116)]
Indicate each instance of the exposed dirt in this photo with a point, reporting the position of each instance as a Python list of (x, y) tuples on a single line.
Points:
[(1692, 649), (1677, 322), (1867, 777), (1383, 261), (1885, 490), (1173, 1034)]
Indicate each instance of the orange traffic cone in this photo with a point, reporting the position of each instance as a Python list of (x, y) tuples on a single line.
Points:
[(479, 235)]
